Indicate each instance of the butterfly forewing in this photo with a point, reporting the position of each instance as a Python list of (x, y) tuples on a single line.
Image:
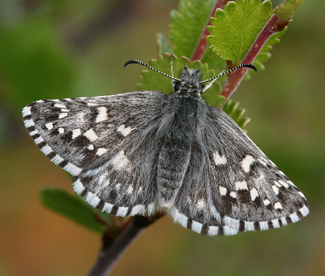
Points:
[(89, 131), (105, 142)]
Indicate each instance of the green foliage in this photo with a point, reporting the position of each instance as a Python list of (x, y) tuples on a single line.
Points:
[(163, 45), (285, 11), (235, 28), (74, 208), (264, 54), (236, 113), (187, 25), (33, 63)]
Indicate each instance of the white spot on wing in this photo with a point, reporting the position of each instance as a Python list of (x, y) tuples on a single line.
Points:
[(120, 161), (28, 123), (284, 220), (213, 230), (196, 226), (286, 185), (219, 160), (278, 206), (266, 202), (92, 199), (60, 105), (100, 151), (125, 131), (57, 159), (249, 226), (91, 135), (151, 208), (241, 185), (90, 147), (304, 211), (102, 114), (39, 140), (33, 132), (180, 218), (74, 170), (78, 187), (49, 126), (232, 223), (122, 211), (276, 223), (46, 150), (294, 217), (254, 194), (27, 111), (61, 130), (264, 225), (222, 190), (233, 194), (63, 115), (275, 189), (138, 209), (228, 231), (76, 133), (107, 207), (247, 162)]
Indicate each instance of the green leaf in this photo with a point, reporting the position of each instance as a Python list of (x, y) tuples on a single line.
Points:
[(74, 208), (235, 29), (264, 54), (285, 11), (151, 80), (163, 45), (215, 62), (187, 25), (236, 113)]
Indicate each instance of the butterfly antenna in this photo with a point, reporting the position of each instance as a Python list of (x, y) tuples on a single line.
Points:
[(231, 70), (145, 64)]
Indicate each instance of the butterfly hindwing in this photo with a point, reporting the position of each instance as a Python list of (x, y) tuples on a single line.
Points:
[(231, 186), (124, 185)]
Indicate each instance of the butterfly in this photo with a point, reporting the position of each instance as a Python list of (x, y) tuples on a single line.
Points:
[(141, 152)]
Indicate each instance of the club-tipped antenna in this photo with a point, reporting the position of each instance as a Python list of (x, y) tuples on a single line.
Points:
[(145, 64), (231, 70)]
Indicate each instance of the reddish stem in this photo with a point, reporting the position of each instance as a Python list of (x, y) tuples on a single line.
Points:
[(202, 43), (274, 25)]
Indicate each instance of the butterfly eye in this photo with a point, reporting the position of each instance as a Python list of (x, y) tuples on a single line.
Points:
[(177, 86)]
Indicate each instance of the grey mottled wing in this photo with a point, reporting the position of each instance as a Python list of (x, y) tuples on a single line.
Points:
[(99, 141), (231, 186)]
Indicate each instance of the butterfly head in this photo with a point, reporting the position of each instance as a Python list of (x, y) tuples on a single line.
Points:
[(189, 83)]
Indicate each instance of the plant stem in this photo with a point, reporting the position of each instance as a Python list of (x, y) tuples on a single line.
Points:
[(112, 250), (273, 26), (202, 43)]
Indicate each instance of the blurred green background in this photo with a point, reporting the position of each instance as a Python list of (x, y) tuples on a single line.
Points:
[(69, 48)]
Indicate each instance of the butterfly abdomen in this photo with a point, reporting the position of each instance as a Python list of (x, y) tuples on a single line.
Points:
[(174, 155), (172, 165)]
